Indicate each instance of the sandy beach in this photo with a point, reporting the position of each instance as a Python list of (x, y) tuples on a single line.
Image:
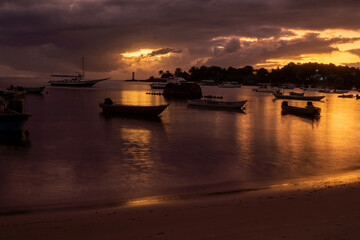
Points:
[(314, 210)]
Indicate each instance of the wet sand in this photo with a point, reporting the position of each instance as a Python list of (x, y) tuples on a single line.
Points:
[(326, 210)]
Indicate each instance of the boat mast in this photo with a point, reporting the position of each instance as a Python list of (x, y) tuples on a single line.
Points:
[(83, 67)]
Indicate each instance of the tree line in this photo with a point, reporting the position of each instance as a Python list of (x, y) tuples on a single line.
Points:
[(308, 74)]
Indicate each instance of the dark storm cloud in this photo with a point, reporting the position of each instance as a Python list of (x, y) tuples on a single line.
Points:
[(55, 33), (355, 51), (164, 51), (260, 51)]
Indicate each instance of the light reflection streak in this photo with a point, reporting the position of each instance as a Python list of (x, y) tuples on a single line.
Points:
[(321, 181)]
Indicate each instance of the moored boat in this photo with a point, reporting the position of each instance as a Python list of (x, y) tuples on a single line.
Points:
[(280, 95), (132, 110), (74, 80), (341, 91), (217, 104), (309, 110)]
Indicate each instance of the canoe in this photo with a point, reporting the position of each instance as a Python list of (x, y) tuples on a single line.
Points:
[(295, 97), (217, 104), (132, 110), (309, 110)]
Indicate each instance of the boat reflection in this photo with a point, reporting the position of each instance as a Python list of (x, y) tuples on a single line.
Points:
[(216, 109), (17, 139), (108, 116)]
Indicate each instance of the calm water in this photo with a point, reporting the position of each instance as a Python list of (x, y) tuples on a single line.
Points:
[(75, 155)]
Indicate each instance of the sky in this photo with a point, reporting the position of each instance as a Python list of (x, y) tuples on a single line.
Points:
[(118, 37)]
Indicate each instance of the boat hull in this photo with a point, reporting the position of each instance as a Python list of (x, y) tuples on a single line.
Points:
[(150, 111), (80, 83), (293, 97)]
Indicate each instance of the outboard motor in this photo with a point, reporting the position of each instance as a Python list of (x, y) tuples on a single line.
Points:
[(309, 104), (108, 101), (284, 103)]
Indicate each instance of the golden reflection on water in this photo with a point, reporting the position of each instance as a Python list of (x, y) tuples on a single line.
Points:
[(138, 148), (129, 97), (145, 201), (327, 181)]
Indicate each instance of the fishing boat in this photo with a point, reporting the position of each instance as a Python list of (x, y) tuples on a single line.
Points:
[(108, 106), (216, 104), (346, 96), (280, 95), (296, 94), (11, 120), (74, 80), (34, 90), (309, 110), (230, 85)]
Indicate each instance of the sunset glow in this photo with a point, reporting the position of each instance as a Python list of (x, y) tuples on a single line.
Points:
[(139, 53), (127, 43)]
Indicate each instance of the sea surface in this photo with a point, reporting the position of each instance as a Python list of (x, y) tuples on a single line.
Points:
[(76, 156)]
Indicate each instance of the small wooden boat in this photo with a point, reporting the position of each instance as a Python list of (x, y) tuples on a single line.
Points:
[(11, 120), (309, 110), (34, 90), (346, 96), (133, 110), (280, 95), (296, 94), (217, 104)]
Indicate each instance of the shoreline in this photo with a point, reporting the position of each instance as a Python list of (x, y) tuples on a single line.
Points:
[(318, 209)]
